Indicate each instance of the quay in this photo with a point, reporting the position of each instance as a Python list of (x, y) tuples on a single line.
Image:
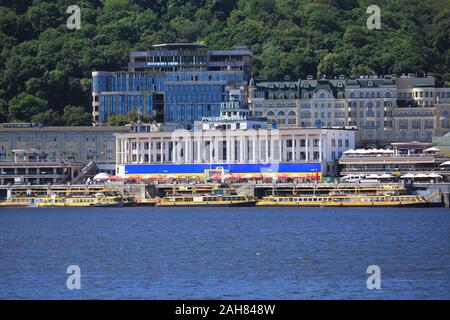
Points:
[(435, 193)]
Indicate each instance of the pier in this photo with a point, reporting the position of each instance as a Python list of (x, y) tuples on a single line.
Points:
[(436, 193)]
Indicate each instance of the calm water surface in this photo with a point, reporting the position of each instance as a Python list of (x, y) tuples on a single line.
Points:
[(222, 253)]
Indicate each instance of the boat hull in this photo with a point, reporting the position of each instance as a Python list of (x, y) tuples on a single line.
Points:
[(208, 204)]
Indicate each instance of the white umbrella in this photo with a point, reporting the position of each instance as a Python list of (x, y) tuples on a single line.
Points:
[(446, 163), (350, 151), (421, 175), (432, 149), (435, 175), (385, 175), (373, 176), (408, 175), (102, 176)]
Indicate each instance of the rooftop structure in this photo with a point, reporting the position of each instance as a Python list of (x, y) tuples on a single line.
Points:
[(413, 158)]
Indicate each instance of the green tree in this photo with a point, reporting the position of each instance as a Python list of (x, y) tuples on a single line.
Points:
[(47, 118), (117, 120), (76, 116), (3, 110), (24, 106)]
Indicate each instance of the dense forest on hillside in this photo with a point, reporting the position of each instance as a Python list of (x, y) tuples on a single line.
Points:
[(45, 68)]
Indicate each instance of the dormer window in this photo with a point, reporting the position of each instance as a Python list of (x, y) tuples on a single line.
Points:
[(370, 83), (281, 85), (271, 86), (306, 85), (340, 84), (292, 85)]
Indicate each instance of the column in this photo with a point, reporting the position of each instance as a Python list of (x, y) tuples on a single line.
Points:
[(162, 150), (320, 147), (118, 159), (293, 148), (307, 148), (254, 150)]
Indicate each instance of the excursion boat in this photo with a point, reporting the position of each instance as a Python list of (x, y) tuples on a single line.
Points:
[(344, 201), (102, 198), (147, 202), (207, 201), (20, 202), (209, 197)]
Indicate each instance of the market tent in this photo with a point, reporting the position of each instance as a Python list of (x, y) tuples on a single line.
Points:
[(446, 163), (407, 176)]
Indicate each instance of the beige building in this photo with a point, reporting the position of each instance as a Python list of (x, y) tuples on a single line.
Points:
[(76, 144), (383, 109)]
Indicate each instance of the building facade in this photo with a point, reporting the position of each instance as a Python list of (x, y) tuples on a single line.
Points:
[(406, 158), (69, 144), (286, 151), (384, 109), (178, 82)]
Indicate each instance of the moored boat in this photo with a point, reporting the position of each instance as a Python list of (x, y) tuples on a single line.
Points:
[(343, 201), (102, 198), (207, 201)]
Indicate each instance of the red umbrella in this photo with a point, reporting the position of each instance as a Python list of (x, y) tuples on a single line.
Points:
[(115, 178), (317, 175), (216, 176)]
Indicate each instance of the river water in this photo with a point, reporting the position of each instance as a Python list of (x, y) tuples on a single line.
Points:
[(225, 253)]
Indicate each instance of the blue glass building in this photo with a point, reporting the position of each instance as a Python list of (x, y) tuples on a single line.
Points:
[(172, 83)]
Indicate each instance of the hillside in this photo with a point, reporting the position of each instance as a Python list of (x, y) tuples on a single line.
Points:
[(45, 68)]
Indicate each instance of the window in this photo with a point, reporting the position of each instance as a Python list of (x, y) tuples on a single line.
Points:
[(403, 124)]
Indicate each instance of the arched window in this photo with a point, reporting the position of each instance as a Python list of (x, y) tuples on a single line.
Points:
[(352, 95), (281, 118), (388, 94), (270, 114), (292, 118)]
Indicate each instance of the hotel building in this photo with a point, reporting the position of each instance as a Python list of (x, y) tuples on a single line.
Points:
[(177, 82)]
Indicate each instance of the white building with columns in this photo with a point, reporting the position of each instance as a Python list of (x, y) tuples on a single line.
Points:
[(286, 151)]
